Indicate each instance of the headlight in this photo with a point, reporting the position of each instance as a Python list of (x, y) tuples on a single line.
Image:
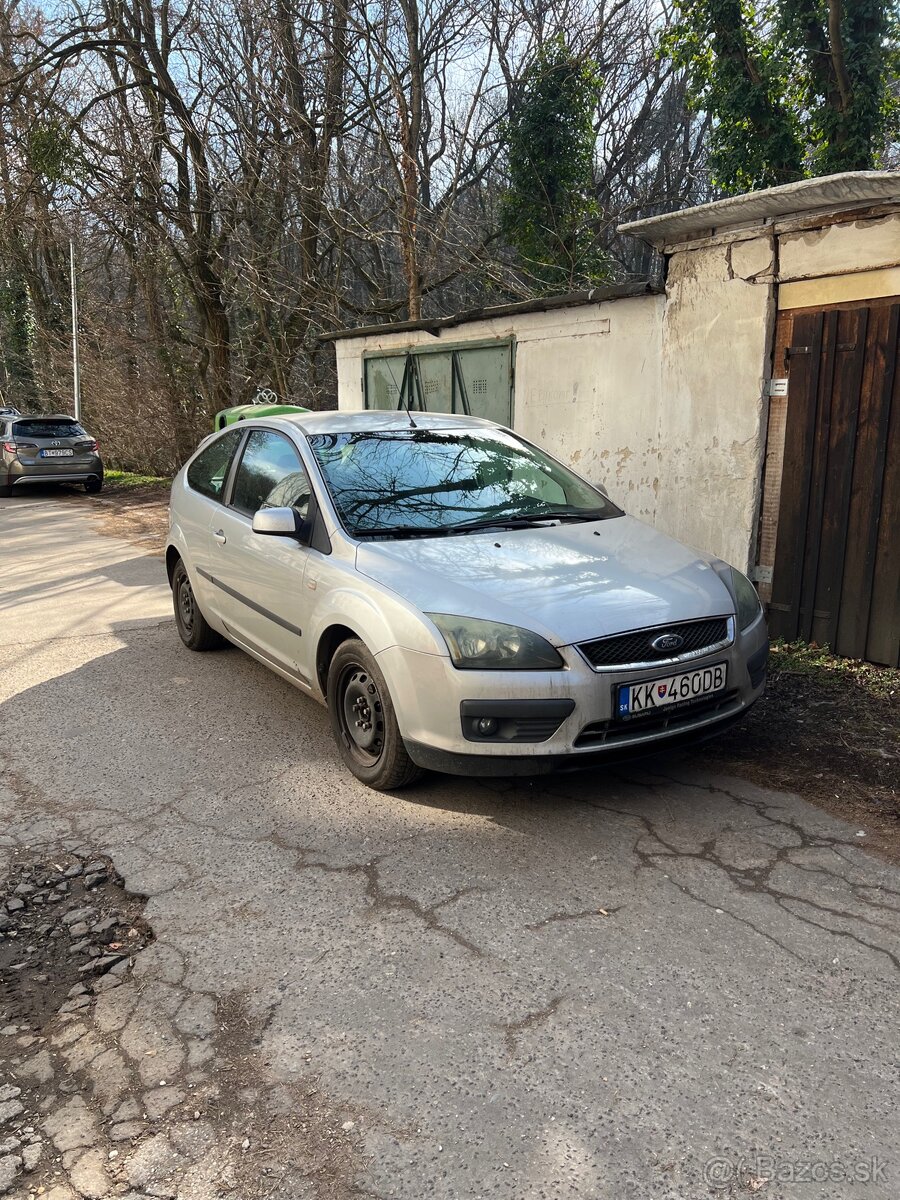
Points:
[(748, 605), (477, 645)]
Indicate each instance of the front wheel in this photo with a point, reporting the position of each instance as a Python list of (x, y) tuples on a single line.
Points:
[(5, 492), (363, 721), (193, 628)]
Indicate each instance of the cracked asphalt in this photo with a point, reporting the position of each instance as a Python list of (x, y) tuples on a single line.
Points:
[(650, 982)]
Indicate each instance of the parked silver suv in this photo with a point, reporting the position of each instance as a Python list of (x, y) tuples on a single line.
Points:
[(53, 449)]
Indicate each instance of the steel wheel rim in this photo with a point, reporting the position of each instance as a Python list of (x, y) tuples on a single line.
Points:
[(186, 607), (361, 714)]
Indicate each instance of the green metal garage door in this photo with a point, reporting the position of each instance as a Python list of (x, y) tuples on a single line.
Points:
[(476, 380)]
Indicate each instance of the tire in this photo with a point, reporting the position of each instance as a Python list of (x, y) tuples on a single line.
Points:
[(193, 628), (363, 721), (93, 485), (5, 492)]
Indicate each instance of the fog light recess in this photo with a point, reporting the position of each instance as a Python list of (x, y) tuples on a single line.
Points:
[(513, 720)]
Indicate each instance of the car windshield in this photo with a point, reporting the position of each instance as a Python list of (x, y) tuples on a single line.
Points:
[(423, 481), (47, 429)]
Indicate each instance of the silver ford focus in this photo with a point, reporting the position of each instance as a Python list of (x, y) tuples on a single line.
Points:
[(459, 599)]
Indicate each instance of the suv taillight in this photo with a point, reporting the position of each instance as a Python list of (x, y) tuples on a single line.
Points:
[(9, 447)]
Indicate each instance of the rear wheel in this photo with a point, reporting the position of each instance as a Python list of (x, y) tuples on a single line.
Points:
[(363, 721), (193, 628), (93, 485)]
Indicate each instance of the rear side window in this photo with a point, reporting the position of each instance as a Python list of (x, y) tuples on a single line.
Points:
[(47, 429), (271, 475), (209, 470)]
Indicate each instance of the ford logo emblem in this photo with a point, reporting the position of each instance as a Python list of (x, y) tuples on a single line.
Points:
[(667, 641)]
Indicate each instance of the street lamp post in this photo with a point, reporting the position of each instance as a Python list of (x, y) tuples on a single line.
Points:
[(76, 370)]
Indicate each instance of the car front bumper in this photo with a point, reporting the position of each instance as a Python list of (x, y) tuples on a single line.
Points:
[(551, 720)]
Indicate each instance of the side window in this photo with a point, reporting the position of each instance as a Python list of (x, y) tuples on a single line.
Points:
[(270, 475), (209, 470)]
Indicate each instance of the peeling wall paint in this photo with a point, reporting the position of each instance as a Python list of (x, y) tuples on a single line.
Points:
[(835, 249), (586, 386), (664, 399), (715, 346), (588, 383)]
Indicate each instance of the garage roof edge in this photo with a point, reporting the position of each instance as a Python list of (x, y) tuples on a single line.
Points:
[(851, 188), (598, 295)]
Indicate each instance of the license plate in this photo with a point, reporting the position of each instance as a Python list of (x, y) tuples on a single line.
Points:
[(57, 453), (636, 699)]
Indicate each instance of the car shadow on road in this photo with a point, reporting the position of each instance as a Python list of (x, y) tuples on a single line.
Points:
[(149, 732), (222, 722)]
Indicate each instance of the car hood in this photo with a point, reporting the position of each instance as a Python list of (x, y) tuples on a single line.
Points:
[(569, 582)]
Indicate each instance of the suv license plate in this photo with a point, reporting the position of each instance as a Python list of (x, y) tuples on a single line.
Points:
[(635, 699), (57, 453)]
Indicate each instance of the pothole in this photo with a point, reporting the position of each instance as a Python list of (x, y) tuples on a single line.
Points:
[(140, 1088), (68, 931)]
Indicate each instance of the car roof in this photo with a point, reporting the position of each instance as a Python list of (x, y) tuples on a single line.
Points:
[(45, 417), (377, 421)]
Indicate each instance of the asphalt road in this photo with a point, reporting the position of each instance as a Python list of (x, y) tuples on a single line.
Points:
[(649, 982)]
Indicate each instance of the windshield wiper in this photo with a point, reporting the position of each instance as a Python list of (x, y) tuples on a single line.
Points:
[(401, 531), (524, 520), (514, 521)]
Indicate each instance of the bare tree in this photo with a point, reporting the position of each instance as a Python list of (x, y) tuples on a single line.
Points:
[(241, 176)]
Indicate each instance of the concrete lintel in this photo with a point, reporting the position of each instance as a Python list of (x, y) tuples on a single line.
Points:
[(848, 189)]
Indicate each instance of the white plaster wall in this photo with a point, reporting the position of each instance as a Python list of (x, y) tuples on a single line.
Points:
[(663, 399), (348, 362), (715, 350), (834, 249), (593, 399), (586, 386), (589, 383)]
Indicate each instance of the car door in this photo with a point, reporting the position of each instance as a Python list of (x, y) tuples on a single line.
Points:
[(198, 502), (260, 576)]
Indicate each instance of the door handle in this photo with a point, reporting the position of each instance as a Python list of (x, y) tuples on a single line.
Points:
[(220, 537)]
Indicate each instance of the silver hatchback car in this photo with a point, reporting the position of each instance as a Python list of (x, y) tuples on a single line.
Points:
[(460, 600)]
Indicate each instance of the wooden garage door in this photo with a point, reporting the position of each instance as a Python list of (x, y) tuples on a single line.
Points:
[(837, 563)]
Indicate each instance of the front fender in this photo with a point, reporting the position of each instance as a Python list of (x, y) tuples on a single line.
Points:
[(377, 616)]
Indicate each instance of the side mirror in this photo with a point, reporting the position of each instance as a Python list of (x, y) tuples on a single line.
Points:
[(278, 522), (601, 488)]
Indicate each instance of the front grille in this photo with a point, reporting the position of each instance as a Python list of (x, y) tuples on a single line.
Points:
[(625, 649), (606, 733)]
